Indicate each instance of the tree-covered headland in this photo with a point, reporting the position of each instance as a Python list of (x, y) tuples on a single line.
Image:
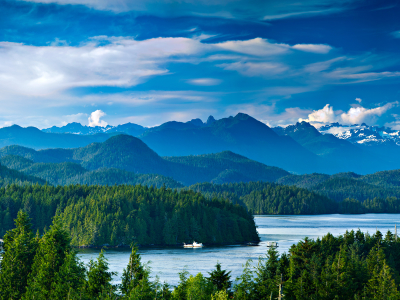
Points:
[(351, 266), (120, 215)]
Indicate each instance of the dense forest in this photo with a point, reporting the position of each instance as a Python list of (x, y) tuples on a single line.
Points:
[(273, 199), (340, 186), (351, 266), (66, 173), (120, 215), (8, 176)]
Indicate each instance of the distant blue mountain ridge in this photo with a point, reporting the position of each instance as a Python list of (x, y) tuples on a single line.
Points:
[(298, 148)]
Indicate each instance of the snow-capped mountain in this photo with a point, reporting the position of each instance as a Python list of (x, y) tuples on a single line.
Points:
[(363, 134), (77, 128)]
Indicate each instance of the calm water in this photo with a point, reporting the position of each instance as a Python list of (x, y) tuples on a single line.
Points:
[(286, 230)]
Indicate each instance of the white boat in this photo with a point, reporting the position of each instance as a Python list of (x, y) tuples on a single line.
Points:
[(194, 245), (272, 244)]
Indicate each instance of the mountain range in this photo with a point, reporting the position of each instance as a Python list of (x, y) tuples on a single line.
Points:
[(299, 148), (134, 157)]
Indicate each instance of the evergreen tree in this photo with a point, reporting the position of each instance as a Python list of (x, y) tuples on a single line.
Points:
[(135, 279), (99, 278), (220, 279), (266, 280), (20, 247), (54, 264)]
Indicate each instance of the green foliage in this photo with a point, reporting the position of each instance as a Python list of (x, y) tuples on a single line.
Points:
[(351, 266), (380, 185), (134, 273), (193, 288), (98, 277), (8, 176), (16, 263), (72, 173), (119, 215), (56, 271), (225, 167), (269, 198), (220, 279)]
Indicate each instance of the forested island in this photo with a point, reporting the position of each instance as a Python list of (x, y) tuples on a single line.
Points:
[(120, 215), (351, 266)]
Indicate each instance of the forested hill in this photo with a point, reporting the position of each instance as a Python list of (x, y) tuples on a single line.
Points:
[(131, 154), (119, 215), (268, 198), (349, 185), (274, 199), (9, 176), (72, 173)]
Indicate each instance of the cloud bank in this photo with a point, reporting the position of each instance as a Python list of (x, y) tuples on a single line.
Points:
[(355, 115)]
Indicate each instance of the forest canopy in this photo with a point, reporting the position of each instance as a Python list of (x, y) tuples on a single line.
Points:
[(120, 215)]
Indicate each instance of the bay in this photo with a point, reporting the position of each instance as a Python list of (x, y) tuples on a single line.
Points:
[(166, 263)]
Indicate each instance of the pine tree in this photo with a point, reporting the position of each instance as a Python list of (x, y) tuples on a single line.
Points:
[(20, 247), (220, 279), (99, 278), (135, 279), (55, 261)]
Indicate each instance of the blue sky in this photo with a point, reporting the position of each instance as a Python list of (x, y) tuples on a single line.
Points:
[(151, 61)]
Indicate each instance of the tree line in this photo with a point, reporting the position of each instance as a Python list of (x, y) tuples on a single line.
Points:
[(355, 265), (264, 198)]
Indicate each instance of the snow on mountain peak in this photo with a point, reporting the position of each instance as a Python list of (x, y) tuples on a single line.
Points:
[(363, 134)]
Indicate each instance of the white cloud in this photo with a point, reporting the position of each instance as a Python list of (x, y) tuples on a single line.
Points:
[(358, 115), (94, 119), (314, 48), (358, 100), (40, 71), (256, 47), (205, 81), (322, 65), (355, 115), (324, 115)]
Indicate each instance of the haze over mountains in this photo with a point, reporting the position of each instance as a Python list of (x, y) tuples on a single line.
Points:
[(299, 148), (130, 154)]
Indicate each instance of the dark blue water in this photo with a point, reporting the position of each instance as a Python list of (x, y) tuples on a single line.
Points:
[(166, 263)]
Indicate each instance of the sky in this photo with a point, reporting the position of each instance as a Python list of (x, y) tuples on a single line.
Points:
[(102, 62)]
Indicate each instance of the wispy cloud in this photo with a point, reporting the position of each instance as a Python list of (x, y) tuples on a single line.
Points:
[(205, 81), (323, 49), (256, 68), (396, 34), (240, 9)]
